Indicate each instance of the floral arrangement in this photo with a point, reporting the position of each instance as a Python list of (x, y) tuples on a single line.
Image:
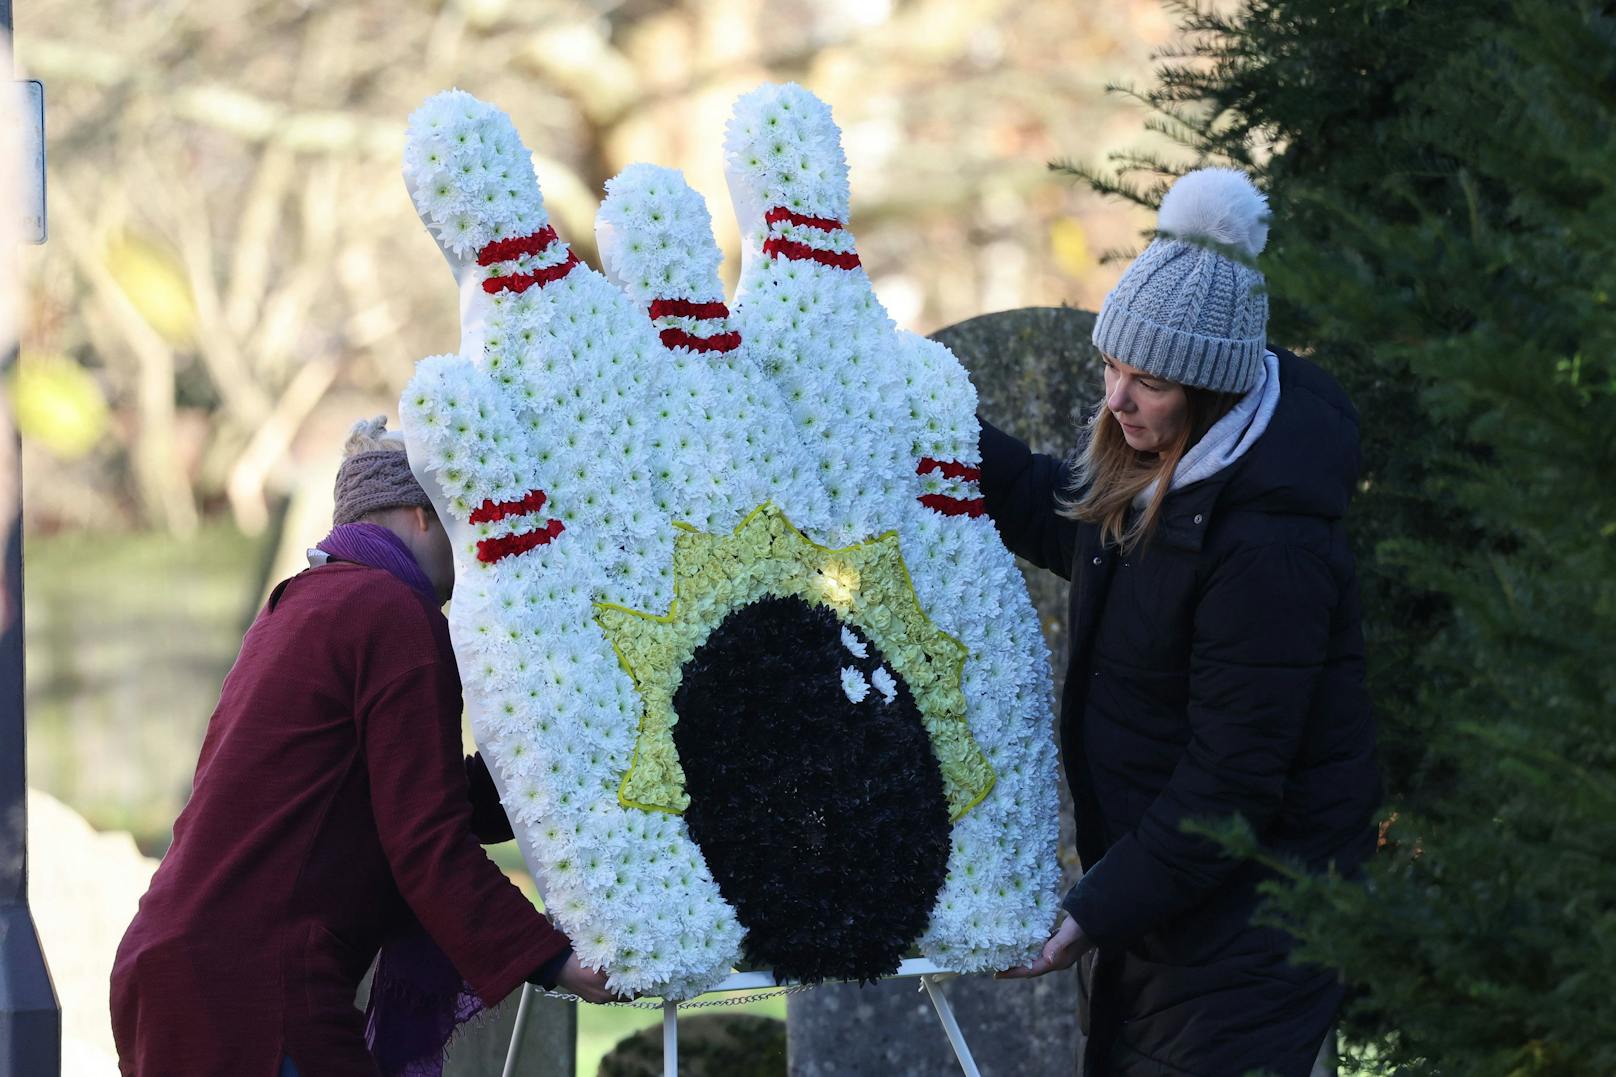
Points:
[(757, 679)]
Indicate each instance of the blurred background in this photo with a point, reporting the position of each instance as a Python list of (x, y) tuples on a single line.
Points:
[(235, 273)]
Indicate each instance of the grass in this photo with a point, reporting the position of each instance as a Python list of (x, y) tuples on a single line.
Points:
[(129, 636)]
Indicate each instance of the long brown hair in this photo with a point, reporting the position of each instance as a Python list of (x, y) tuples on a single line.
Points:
[(1110, 473)]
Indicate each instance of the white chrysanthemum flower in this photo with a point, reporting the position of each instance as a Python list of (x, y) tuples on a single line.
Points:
[(885, 684), (854, 686)]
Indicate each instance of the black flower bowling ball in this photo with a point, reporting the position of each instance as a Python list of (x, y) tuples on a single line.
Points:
[(814, 793)]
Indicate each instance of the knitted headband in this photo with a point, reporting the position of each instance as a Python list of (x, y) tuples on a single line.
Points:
[(375, 474)]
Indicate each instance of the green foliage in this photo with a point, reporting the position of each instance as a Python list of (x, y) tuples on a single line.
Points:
[(1443, 180), (710, 1045)]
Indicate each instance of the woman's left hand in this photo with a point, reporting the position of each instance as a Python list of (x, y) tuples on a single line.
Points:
[(1064, 947)]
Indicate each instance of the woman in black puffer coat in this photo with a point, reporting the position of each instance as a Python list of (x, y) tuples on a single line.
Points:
[(1216, 663)]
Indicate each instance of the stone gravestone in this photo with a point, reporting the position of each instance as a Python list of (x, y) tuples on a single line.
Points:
[(1034, 371), (549, 1041), (1036, 376)]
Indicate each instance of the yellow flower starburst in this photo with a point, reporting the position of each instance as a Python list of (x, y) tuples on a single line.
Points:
[(867, 585)]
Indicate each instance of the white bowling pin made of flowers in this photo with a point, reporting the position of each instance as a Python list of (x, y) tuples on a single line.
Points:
[(758, 682)]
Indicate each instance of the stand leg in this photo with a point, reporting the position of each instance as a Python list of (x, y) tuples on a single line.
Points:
[(517, 1029), (670, 1039), (945, 1014)]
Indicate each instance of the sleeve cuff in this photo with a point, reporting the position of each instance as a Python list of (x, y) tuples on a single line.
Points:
[(548, 974), (494, 988), (1085, 903), (1070, 905)]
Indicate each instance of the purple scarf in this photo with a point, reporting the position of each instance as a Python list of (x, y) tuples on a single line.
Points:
[(417, 998), (376, 546), (417, 1001)]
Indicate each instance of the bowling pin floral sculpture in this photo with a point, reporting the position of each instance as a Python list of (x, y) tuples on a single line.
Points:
[(759, 683)]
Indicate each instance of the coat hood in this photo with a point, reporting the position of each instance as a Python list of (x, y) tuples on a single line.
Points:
[(1306, 463)]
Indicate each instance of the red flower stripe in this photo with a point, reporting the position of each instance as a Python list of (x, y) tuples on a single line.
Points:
[(798, 252), (954, 506), (781, 213), (503, 250), (720, 342), (951, 469), (687, 308), (521, 282), (492, 510), (495, 549)]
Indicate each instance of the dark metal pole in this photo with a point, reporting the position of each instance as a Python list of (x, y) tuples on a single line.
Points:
[(30, 1019)]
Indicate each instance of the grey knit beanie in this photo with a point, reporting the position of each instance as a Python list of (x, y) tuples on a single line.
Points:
[(375, 474), (1185, 311)]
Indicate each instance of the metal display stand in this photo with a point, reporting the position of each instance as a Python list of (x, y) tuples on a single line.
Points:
[(929, 974)]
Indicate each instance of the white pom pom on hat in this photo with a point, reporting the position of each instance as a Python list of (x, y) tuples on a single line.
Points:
[(1217, 204)]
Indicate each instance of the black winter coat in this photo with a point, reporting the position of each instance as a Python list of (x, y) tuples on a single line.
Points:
[(1217, 670)]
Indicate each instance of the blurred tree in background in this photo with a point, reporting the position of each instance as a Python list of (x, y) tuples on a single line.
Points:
[(236, 267), (1443, 184)]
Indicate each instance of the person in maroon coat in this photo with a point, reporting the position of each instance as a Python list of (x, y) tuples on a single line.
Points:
[(330, 814)]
